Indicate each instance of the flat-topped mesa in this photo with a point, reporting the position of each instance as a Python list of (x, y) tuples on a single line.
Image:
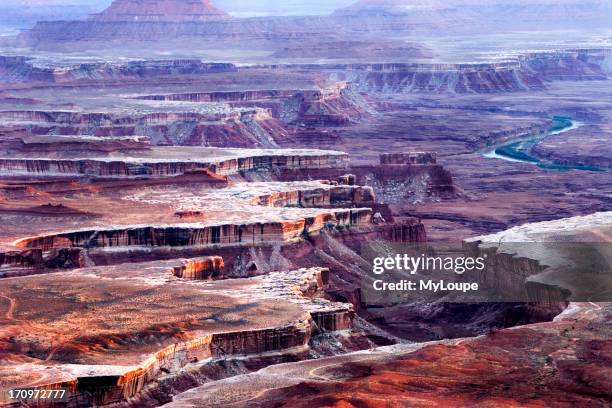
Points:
[(207, 268), (288, 161), (161, 11), (308, 95), (477, 78), (206, 125), (47, 120), (578, 64), (48, 144), (21, 69), (409, 158)]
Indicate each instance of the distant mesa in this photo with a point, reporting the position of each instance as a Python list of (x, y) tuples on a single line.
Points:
[(161, 11)]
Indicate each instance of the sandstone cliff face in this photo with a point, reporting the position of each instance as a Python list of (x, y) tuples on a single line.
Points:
[(529, 71), (433, 79), (198, 234), (231, 163), (15, 262), (409, 158), (18, 69), (240, 127), (463, 370), (501, 368), (200, 269), (572, 65), (391, 183)]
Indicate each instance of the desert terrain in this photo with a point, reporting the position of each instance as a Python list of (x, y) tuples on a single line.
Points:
[(190, 202)]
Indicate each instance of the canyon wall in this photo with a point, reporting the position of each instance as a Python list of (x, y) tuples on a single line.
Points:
[(241, 127), (181, 236), (332, 105), (130, 167)]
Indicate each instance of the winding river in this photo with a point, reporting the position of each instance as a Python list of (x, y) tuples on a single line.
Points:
[(519, 149)]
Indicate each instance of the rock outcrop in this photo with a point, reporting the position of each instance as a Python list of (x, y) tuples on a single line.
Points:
[(535, 263), (22, 69), (409, 158), (200, 269), (392, 183), (333, 105)]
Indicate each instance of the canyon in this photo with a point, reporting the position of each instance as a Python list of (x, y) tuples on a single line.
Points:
[(191, 202), (543, 365)]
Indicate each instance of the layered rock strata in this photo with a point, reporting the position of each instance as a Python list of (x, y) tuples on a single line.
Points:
[(198, 234), (409, 158), (210, 125), (151, 162), (22, 69), (263, 215), (200, 269), (332, 105), (397, 178)]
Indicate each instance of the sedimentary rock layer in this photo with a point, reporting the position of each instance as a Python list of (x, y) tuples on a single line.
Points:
[(156, 162), (199, 234), (200, 268), (471, 371)]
